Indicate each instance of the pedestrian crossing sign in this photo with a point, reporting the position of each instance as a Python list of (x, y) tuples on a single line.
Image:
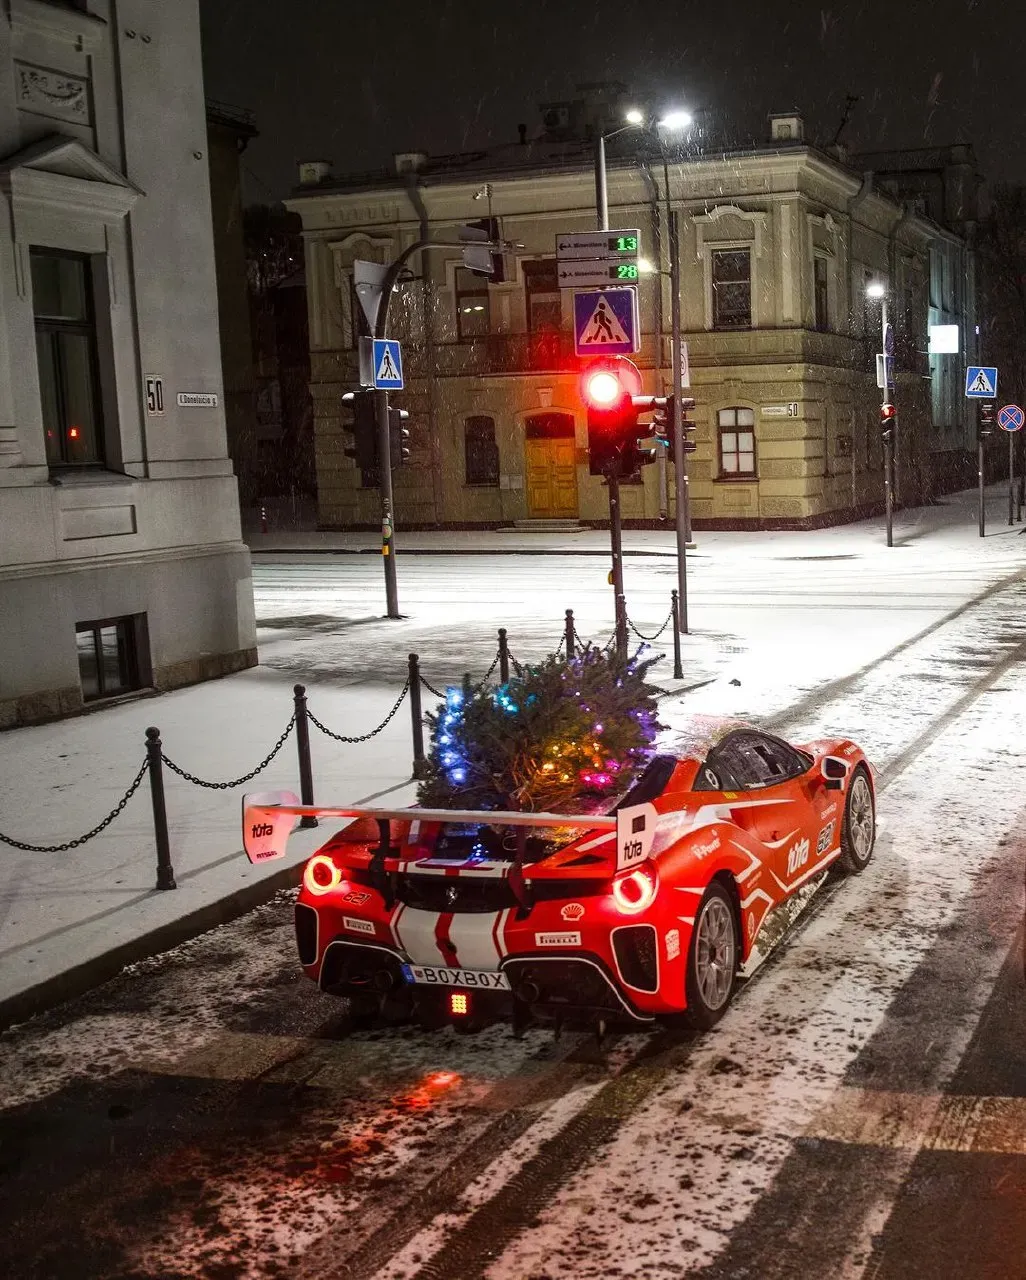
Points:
[(981, 382), (606, 322), (387, 364)]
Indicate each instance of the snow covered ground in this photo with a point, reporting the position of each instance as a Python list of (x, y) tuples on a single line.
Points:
[(775, 618), (397, 1154)]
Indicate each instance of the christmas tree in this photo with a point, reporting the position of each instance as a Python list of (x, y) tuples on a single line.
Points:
[(559, 737)]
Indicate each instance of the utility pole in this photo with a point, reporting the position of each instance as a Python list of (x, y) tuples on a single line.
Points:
[(892, 426), (680, 470)]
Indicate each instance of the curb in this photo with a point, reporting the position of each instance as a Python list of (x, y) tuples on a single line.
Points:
[(461, 551), (97, 970)]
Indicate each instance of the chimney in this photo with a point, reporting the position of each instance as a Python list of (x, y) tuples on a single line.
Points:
[(311, 172), (787, 126), (409, 161)]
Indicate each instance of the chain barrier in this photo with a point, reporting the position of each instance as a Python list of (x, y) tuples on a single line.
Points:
[(648, 639), (488, 674), (74, 844), (431, 688), (237, 782), (363, 737)]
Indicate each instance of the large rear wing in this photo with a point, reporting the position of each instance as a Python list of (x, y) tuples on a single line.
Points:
[(268, 821)]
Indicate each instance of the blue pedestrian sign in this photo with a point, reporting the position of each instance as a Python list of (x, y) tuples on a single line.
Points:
[(387, 364), (1010, 417), (606, 322), (981, 382)]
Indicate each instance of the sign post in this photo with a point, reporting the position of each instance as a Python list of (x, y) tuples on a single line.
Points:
[(1010, 419)]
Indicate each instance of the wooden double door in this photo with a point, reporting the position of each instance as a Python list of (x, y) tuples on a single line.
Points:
[(550, 452)]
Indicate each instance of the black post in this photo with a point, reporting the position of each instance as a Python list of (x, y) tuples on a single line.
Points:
[(306, 793), (982, 506), (165, 871), (1011, 478), (570, 633), (503, 657), (616, 546), (417, 719), (889, 480), (678, 669)]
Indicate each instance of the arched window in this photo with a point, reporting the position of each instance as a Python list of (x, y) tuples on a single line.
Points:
[(737, 443), (480, 451)]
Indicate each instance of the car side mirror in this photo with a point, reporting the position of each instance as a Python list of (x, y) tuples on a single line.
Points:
[(834, 771)]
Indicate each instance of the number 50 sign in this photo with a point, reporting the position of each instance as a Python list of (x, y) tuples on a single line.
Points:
[(154, 396)]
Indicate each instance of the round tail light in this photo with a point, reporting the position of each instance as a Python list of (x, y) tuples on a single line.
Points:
[(321, 875), (636, 891)]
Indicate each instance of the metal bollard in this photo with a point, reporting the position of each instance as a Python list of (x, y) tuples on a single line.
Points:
[(417, 719), (678, 670), (503, 657), (165, 871), (570, 632), (306, 792)]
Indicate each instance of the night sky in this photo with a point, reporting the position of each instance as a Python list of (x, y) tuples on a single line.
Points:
[(352, 81)]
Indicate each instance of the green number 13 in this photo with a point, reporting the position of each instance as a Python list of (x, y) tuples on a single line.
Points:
[(626, 244)]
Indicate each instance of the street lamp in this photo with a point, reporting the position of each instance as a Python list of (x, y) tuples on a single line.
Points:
[(877, 290)]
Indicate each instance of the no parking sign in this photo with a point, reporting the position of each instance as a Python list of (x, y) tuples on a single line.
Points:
[(1010, 417)]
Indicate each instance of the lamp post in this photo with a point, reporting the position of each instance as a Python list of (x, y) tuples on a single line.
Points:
[(888, 421), (671, 122)]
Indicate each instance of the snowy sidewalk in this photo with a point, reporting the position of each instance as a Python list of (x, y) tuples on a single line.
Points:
[(774, 617)]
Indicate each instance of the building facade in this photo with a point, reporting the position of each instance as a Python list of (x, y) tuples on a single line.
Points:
[(121, 562), (777, 245)]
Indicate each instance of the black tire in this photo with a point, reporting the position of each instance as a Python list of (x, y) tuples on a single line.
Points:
[(712, 959), (858, 829)]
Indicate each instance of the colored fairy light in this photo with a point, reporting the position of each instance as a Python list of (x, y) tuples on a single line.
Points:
[(459, 775), (598, 728)]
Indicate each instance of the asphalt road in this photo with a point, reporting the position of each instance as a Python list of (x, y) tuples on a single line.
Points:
[(861, 1111)]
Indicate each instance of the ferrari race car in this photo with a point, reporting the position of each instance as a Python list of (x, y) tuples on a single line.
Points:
[(651, 910)]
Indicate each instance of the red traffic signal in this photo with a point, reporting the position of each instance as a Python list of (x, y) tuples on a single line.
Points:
[(603, 389), (887, 412)]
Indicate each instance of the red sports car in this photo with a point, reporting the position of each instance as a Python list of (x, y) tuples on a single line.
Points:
[(651, 910)]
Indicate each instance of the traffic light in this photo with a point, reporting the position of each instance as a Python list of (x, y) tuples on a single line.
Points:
[(612, 421), (398, 437), (364, 429), (662, 419), (985, 419), (888, 413)]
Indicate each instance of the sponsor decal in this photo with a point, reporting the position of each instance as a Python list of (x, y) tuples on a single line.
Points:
[(672, 944), (357, 926), (262, 829), (851, 750), (357, 899), (572, 911), (797, 856), (730, 795), (703, 850), (751, 926), (264, 854), (825, 837), (557, 939), (829, 811)]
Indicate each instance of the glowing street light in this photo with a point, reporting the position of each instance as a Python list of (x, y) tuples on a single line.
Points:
[(676, 121)]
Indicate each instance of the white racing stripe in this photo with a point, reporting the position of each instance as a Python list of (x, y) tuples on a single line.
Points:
[(415, 932), (472, 933)]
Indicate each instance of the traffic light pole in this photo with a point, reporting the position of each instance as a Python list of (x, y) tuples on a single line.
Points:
[(979, 478), (680, 468), (385, 480)]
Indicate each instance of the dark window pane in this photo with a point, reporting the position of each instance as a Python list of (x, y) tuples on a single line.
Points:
[(481, 453), (472, 315), (732, 288), (49, 392), (76, 357), (112, 660), (822, 295), (87, 668), (544, 302), (59, 288)]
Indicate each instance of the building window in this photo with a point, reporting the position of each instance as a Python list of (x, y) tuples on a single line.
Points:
[(481, 452), (822, 294), (62, 300), (111, 656), (544, 300), (732, 288), (737, 444), (472, 318)]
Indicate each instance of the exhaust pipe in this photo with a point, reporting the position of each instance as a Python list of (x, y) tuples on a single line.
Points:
[(528, 991), (384, 980)]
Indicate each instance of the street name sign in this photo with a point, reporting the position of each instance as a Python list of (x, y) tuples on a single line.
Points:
[(606, 322), (884, 371), (594, 275), (981, 382), (1010, 417), (614, 246)]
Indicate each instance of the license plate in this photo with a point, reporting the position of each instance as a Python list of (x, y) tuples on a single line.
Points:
[(471, 978)]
